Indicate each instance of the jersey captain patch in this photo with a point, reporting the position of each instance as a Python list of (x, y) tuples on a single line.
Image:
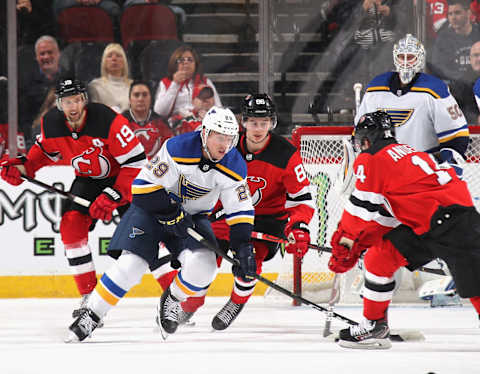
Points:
[(189, 191), (399, 116)]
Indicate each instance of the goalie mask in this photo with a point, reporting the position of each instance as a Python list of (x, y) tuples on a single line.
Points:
[(259, 105), (222, 121), (69, 87), (408, 58), (373, 127)]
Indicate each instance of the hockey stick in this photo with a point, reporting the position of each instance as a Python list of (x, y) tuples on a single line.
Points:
[(77, 199), (393, 337), (334, 296), (271, 238), (357, 88)]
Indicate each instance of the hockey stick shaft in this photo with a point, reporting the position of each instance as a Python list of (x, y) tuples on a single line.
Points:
[(275, 239), (357, 89), (269, 283), (77, 199)]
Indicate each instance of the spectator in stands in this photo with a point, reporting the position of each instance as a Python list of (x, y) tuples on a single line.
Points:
[(462, 88), (184, 79), (35, 83), (190, 121), (437, 13), (148, 126), (113, 86), (451, 50), (110, 6)]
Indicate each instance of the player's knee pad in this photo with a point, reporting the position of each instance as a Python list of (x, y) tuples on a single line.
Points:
[(128, 270), (74, 227), (199, 266)]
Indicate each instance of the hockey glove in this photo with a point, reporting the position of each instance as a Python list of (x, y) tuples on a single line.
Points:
[(176, 222), (298, 239), (453, 159), (246, 267), (10, 172), (104, 205), (343, 258)]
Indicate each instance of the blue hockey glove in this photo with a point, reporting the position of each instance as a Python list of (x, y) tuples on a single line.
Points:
[(247, 266), (453, 159), (176, 222)]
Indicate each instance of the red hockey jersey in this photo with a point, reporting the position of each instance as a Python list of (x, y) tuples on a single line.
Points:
[(277, 182), (396, 184), (103, 147), (152, 133)]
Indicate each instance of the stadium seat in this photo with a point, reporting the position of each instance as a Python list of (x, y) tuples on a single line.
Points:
[(154, 59), (142, 23), (85, 24)]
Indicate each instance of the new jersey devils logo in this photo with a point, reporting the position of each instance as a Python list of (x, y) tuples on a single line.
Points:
[(91, 163), (150, 139), (256, 185)]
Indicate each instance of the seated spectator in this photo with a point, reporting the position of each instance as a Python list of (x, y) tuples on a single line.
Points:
[(191, 121), (451, 50), (184, 79), (462, 89), (113, 86), (35, 83), (110, 6), (436, 17), (150, 129)]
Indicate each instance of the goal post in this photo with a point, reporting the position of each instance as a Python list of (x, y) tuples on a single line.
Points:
[(321, 150)]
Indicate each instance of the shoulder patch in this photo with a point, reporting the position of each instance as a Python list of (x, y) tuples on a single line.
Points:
[(54, 124), (380, 82), (233, 165), (278, 152), (432, 85), (185, 148), (99, 120)]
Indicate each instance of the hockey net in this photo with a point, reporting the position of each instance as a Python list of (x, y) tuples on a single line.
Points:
[(321, 149)]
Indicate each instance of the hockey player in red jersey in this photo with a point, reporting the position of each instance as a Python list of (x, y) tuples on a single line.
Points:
[(407, 210), (280, 194), (106, 157)]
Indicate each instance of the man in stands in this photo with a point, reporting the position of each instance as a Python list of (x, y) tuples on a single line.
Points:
[(106, 157), (281, 196), (407, 210)]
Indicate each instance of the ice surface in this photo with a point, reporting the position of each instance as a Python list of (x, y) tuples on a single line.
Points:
[(266, 338)]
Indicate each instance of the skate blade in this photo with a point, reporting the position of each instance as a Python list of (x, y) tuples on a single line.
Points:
[(71, 338), (366, 344)]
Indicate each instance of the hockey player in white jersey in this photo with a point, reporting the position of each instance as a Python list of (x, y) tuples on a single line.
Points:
[(176, 190), (425, 115)]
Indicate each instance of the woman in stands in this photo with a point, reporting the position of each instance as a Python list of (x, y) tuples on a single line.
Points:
[(113, 86), (183, 82)]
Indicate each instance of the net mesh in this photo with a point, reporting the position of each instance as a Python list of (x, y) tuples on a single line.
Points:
[(322, 154)]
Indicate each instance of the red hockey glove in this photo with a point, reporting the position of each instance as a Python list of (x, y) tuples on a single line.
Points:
[(10, 173), (298, 238), (343, 258), (104, 205)]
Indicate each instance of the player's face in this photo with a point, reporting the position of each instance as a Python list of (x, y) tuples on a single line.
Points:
[(186, 63), (73, 107), (114, 63), (257, 129), (140, 99), (218, 144)]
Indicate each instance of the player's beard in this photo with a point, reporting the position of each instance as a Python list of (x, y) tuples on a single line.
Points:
[(75, 123)]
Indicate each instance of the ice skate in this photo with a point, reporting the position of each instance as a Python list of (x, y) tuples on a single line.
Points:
[(227, 315), (167, 314), (82, 327), (83, 307), (366, 335), (184, 317)]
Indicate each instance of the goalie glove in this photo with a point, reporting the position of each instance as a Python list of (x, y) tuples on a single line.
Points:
[(104, 205), (345, 252), (298, 239)]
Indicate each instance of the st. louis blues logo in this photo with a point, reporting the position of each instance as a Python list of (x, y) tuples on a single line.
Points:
[(399, 116), (190, 191), (135, 232)]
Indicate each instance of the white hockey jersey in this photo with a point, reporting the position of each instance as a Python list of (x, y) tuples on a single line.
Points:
[(424, 118), (196, 183)]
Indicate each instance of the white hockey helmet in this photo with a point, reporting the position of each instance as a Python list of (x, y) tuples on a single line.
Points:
[(408, 57), (221, 120)]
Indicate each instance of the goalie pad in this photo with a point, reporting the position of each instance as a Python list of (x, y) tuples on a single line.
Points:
[(345, 180), (442, 286)]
